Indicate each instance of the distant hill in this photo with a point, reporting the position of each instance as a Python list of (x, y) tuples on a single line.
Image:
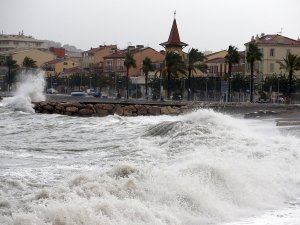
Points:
[(69, 48)]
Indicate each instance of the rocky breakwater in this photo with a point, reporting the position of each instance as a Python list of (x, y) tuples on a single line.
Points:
[(105, 109)]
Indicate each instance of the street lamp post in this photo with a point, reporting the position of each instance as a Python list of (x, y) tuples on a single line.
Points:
[(215, 87), (230, 89), (206, 95), (136, 85), (115, 84)]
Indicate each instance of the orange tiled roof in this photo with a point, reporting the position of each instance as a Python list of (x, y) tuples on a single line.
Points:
[(117, 54), (276, 39), (122, 53)]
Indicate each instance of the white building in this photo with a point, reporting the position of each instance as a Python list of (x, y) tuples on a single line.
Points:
[(20, 41)]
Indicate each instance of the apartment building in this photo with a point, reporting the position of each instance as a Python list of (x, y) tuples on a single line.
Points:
[(274, 47), (217, 66), (114, 63), (37, 55), (20, 41), (58, 66), (95, 56)]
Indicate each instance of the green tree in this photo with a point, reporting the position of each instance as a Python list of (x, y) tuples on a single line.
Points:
[(232, 57), (194, 63), (174, 67), (29, 63), (147, 67), (75, 80), (2, 60), (12, 68), (253, 54), (291, 64), (128, 63), (103, 81)]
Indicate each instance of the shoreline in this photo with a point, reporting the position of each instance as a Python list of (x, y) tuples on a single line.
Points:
[(85, 106), (249, 110)]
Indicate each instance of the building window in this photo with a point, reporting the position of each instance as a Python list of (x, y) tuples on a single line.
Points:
[(272, 52), (272, 68), (109, 64), (288, 51), (262, 50), (65, 63), (216, 69)]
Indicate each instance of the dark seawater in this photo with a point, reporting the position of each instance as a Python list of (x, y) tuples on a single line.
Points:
[(200, 168)]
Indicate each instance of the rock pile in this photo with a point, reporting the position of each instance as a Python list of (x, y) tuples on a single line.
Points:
[(102, 109)]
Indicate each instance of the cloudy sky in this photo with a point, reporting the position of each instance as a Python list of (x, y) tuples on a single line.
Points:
[(205, 25)]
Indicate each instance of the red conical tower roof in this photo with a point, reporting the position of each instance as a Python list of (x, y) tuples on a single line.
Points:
[(174, 39)]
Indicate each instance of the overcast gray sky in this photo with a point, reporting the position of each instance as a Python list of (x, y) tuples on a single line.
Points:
[(205, 25)]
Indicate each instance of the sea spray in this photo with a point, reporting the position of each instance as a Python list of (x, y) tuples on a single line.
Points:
[(29, 89), (199, 168)]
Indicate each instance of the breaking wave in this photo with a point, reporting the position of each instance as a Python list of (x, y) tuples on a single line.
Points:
[(30, 89)]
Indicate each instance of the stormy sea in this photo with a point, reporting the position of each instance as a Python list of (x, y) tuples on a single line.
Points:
[(195, 169)]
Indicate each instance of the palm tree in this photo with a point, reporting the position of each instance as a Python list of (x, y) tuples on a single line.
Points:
[(253, 54), (232, 57), (194, 59), (12, 66), (147, 67), (29, 63), (128, 63), (174, 66), (291, 64)]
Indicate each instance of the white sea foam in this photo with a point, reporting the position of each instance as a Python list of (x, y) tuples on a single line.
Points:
[(200, 168), (30, 89)]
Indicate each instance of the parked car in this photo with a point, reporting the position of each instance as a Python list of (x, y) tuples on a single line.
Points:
[(260, 100), (78, 93), (90, 91), (97, 94), (51, 91)]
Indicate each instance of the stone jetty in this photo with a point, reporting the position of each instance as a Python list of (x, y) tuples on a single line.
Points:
[(104, 109), (152, 108)]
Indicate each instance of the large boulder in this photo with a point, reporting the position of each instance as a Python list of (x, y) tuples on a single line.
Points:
[(78, 105), (141, 110), (102, 112), (173, 110), (86, 112), (60, 108), (72, 109), (154, 110), (107, 107), (129, 110), (164, 110), (48, 108), (53, 104), (119, 110)]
